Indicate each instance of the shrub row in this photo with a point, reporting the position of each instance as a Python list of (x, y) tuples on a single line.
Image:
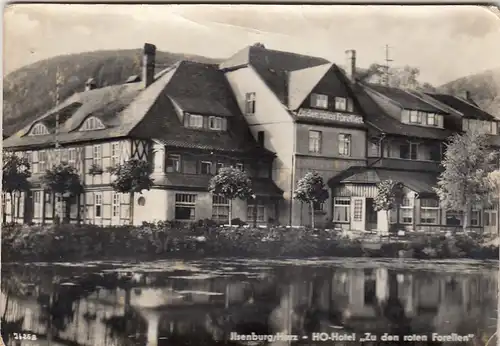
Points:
[(170, 240)]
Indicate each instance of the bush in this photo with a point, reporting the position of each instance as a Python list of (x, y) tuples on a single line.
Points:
[(203, 238)]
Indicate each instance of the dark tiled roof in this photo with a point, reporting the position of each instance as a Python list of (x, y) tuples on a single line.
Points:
[(273, 66), (419, 182), (260, 186), (201, 106), (379, 121), (405, 99), (467, 109)]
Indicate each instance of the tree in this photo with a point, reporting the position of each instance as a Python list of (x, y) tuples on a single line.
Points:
[(15, 174), (399, 77), (64, 181), (465, 180), (231, 183), (389, 195), (311, 190), (132, 176)]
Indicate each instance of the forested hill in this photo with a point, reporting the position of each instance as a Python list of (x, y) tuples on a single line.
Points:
[(30, 91)]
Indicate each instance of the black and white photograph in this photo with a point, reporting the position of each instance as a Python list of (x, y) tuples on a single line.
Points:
[(250, 174)]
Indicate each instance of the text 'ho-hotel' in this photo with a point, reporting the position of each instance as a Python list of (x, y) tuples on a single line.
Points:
[(276, 115)]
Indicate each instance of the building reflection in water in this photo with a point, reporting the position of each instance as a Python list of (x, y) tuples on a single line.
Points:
[(106, 309)]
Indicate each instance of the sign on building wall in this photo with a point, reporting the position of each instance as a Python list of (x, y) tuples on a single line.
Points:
[(332, 116)]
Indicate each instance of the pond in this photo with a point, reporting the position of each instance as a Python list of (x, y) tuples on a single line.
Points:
[(225, 302)]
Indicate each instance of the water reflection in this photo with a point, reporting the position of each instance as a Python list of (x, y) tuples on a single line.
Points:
[(203, 303)]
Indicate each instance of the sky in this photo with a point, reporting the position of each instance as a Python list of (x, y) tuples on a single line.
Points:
[(445, 42)]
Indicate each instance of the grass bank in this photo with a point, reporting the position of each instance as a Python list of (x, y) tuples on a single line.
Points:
[(169, 240)]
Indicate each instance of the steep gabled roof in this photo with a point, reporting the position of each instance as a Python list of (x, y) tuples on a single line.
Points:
[(301, 82), (468, 109), (405, 99), (379, 121), (273, 66)]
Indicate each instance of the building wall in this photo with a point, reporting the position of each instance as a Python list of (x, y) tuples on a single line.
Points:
[(273, 119)]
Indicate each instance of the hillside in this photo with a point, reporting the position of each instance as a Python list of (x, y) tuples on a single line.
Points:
[(30, 91), (484, 89)]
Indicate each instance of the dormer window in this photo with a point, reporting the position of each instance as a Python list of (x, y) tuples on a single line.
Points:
[(39, 130), (194, 121), (432, 119), (415, 117), (341, 103), (91, 124), (319, 101), (216, 123)]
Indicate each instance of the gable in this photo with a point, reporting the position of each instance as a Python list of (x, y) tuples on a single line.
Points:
[(301, 82)]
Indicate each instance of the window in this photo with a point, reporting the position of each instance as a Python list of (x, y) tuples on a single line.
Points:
[(96, 157), (358, 210), (205, 167), (415, 117), (240, 167), (429, 211), (220, 208), (406, 211), (42, 161), (92, 123), (115, 154), (413, 151), (374, 149), (432, 119), (260, 138), (344, 144), (115, 210), (29, 157), (490, 218), (341, 209), (319, 101), (314, 141), (250, 104), (37, 196), (72, 156), (173, 163), (260, 213), (39, 129), (98, 204), (475, 216), (194, 121), (218, 167), (215, 123), (453, 218), (318, 206), (185, 206), (350, 105), (341, 103)]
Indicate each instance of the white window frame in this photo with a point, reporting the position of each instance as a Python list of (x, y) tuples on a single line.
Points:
[(209, 167), (406, 208), (215, 123), (195, 121), (341, 103), (173, 158), (415, 117), (39, 130), (43, 161), (475, 215), (72, 156), (344, 203), (319, 101), (186, 200), (220, 207), (98, 202), (261, 212), (458, 215), (433, 210), (250, 102), (116, 205), (218, 167), (97, 154), (239, 166), (92, 123), (434, 118), (37, 197), (315, 143), (115, 154), (344, 141)]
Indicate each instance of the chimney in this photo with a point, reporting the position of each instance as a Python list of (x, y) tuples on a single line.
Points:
[(148, 64), (467, 95), (351, 68), (90, 84)]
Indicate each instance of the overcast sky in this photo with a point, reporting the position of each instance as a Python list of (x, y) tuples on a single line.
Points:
[(445, 42)]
